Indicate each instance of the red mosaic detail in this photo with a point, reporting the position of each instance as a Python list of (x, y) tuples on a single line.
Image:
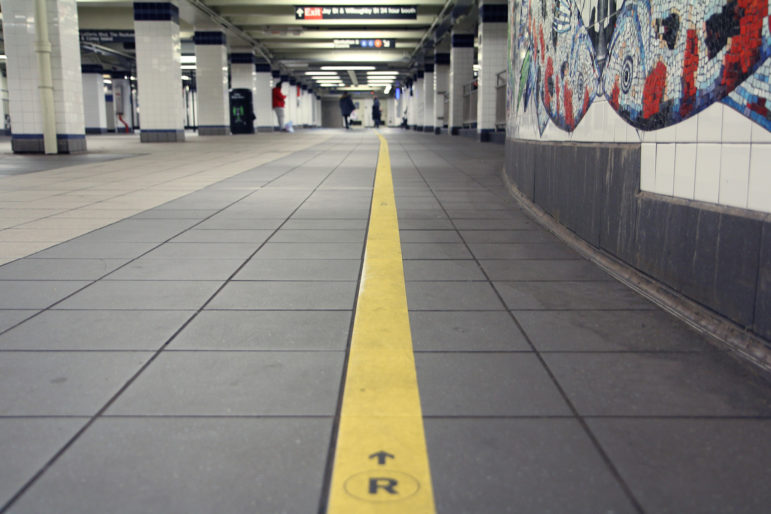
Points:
[(653, 91), (546, 79), (690, 66), (568, 95), (744, 52), (614, 95)]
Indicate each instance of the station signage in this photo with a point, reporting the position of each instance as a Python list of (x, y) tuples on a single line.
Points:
[(107, 36), (365, 44), (352, 12)]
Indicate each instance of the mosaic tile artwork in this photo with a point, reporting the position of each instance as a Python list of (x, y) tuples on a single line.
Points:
[(666, 61)]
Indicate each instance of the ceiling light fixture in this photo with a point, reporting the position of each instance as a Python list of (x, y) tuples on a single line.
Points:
[(353, 68)]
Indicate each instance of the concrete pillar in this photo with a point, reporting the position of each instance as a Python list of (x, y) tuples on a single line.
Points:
[(243, 74), (493, 51), (461, 73), (418, 101), (159, 73), (211, 56), (428, 97), (441, 88), (94, 104), (25, 107), (263, 101)]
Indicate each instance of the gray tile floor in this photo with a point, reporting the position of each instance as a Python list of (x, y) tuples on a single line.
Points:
[(189, 358)]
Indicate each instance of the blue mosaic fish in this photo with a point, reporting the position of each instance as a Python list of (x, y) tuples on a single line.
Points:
[(559, 71), (670, 60)]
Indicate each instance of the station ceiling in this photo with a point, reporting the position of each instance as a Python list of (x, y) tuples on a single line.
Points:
[(297, 36)]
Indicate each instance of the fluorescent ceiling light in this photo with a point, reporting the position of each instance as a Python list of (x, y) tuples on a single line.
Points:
[(387, 89), (382, 73), (185, 77), (188, 66), (353, 68), (188, 59), (321, 73)]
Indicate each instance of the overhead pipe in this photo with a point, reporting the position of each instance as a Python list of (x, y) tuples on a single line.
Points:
[(45, 82)]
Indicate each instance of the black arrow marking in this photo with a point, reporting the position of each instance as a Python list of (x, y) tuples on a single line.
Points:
[(381, 457)]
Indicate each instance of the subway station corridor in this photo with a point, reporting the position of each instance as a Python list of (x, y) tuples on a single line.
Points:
[(176, 329)]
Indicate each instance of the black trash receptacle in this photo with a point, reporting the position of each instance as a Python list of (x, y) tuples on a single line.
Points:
[(241, 112)]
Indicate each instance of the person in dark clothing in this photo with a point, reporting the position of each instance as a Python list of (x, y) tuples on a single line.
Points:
[(346, 107), (376, 112)]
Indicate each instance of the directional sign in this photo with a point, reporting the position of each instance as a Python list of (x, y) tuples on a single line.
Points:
[(107, 36), (382, 457), (367, 44), (351, 12)]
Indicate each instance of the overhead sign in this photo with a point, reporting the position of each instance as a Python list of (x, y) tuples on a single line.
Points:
[(369, 44), (350, 12), (107, 36)]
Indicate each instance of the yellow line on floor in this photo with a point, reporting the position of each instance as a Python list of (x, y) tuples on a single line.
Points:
[(381, 461)]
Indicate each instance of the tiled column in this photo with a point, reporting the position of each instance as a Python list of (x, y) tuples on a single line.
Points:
[(94, 105), (3, 96), (417, 101), (23, 79), (291, 102), (263, 100), (243, 74), (121, 95), (159, 52), (493, 50), (441, 85), (409, 104), (461, 73), (211, 57), (428, 98)]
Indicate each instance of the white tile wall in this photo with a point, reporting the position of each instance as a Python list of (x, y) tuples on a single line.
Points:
[(428, 100), (707, 184), (94, 107), (759, 197), (711, 124), (212, 82), (441, 83), (159, 75), (685, 169), (493, 54), (734, 174), (736, 128), (417, 101), (648, 167), (461, 72), (665, 169), (263, 103)]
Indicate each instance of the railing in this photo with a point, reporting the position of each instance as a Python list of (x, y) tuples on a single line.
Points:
[(500, 100), (470, 104)]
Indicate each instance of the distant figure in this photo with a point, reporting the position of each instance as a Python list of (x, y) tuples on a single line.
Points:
[(278, 104), (376, 113), (346, 107)]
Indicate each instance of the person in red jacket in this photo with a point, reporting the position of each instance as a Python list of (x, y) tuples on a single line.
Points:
[(278, 104)]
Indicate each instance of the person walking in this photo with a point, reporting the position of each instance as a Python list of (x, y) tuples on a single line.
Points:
[(376, 113), (346, 107), (278, 105)]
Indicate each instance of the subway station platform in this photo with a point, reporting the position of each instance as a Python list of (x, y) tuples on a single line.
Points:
[(176, 325)]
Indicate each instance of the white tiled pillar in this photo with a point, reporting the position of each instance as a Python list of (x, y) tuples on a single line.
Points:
[(461, 73), (24, 97), (159, 52), (428, 98), (493, 51), (94, 105), (263, 100), (291, 101), (211, 56), (441, 88), (3, 96), (243, 74), (409, 104), (417, 101)]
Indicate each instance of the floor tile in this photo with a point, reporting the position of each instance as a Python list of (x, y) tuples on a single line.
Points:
[(143, 295), (95, 330), (466, 331), (204, 251), (12, 317), (543, 270), (223, 236), (63, 383), (691, 465), (602, 295), (519, 465), (486, 384), (27, 445), (225, 222), (318, 236), (609, 331), (507, 236), (95, 250), (519, 223), (189, 465), (300, 269), (461, 270), (429, 224), (325, 224), (311, 251), (522, 251), (452, 296), (35, 294), (659, 384), (435, 251), (265, 330), (429, 236), (182, 268), (236, 383), (296, 295), (59, 269)]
